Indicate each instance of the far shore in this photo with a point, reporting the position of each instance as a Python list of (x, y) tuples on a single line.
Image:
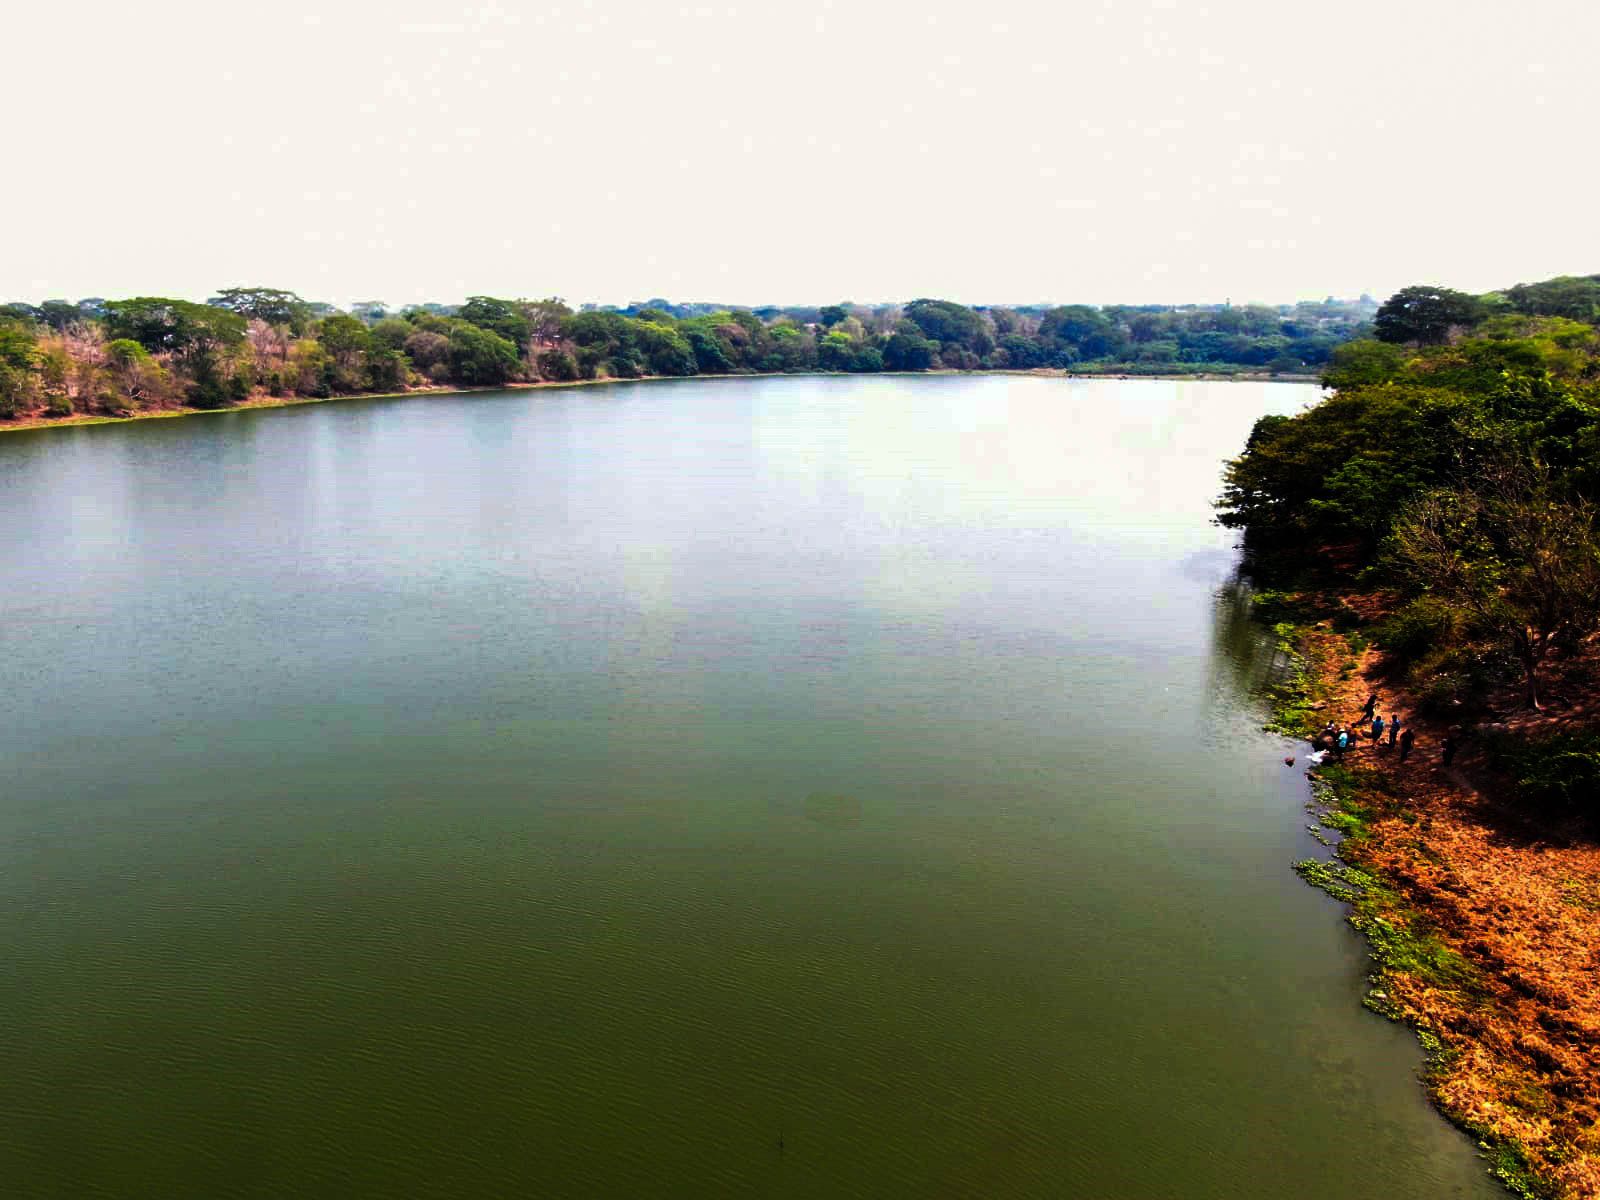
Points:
[(263, 400)]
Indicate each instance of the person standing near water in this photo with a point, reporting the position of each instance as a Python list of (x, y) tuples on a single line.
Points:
[(1406, 739)]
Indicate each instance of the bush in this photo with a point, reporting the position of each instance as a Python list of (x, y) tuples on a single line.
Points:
[(1558, 773), (1566, 780), (1454, 681), (558, 365), (1422, 625)]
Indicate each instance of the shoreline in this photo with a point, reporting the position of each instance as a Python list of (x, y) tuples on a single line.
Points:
[(263, 401), (1472, 932)]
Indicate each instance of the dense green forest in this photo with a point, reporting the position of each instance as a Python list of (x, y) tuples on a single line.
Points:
[(118, 357), (1454, 475)]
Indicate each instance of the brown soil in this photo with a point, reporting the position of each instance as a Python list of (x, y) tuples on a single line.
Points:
[(1521, 902)]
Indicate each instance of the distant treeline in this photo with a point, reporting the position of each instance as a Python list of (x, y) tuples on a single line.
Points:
[(118, 357)]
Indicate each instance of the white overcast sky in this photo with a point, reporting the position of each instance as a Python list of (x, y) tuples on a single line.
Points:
[(1125, 151)]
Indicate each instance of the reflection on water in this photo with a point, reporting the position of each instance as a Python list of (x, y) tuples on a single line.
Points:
[(1243, 651)]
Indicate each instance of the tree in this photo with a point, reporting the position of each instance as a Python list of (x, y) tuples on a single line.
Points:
[(1519, 558), (1577, 297), (272, 305), (480, 358), (503, 317), (179, 326), (427, 349), (835, 352), (134, 374), (666, 351), (946, 322), (18, 364), (386, 368), (544, 318), (1086, 331), (58, 314), (346, 340), (558, 366), (908, 350), (54, 367), (1363, 361), (197, 335), (1425, 315), (709, 356)]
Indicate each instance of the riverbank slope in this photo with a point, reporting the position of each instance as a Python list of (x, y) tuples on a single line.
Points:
[(1484, 924)]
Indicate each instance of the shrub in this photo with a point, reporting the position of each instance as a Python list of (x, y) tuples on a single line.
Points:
[(558, 365), (1422, 625), (1558, 773)]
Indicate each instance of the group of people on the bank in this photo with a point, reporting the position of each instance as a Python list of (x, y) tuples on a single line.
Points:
[(1393, 733)]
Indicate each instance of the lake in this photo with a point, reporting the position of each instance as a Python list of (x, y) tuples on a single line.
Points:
[(808, 787)]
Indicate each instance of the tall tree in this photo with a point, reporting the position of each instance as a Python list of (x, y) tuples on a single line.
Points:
[(19, 360), (504, 317), (1521, 560), (1425, 315), (272, 305)]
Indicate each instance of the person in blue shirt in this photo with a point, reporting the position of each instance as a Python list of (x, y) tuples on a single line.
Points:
[(1377, 728), (1394, 727)]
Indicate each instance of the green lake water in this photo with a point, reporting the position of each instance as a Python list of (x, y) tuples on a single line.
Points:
[(786, 788)]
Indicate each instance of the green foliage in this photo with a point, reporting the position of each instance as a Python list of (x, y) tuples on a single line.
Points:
[(947, 323), (503, 317), (909, 351), (272, 305), (1426, 315), (19, 358), (1361, 362), (349, 345), (480, 358), (1418, 627), (558, 366), (386, 369), (1509, 549), (709, 355), (208, 387), (391, 333), (1558, 773), (1574, 296), (1081, 332), (178, 326)]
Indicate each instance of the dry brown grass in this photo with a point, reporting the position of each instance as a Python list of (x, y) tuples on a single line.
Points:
[(1521, 903)]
